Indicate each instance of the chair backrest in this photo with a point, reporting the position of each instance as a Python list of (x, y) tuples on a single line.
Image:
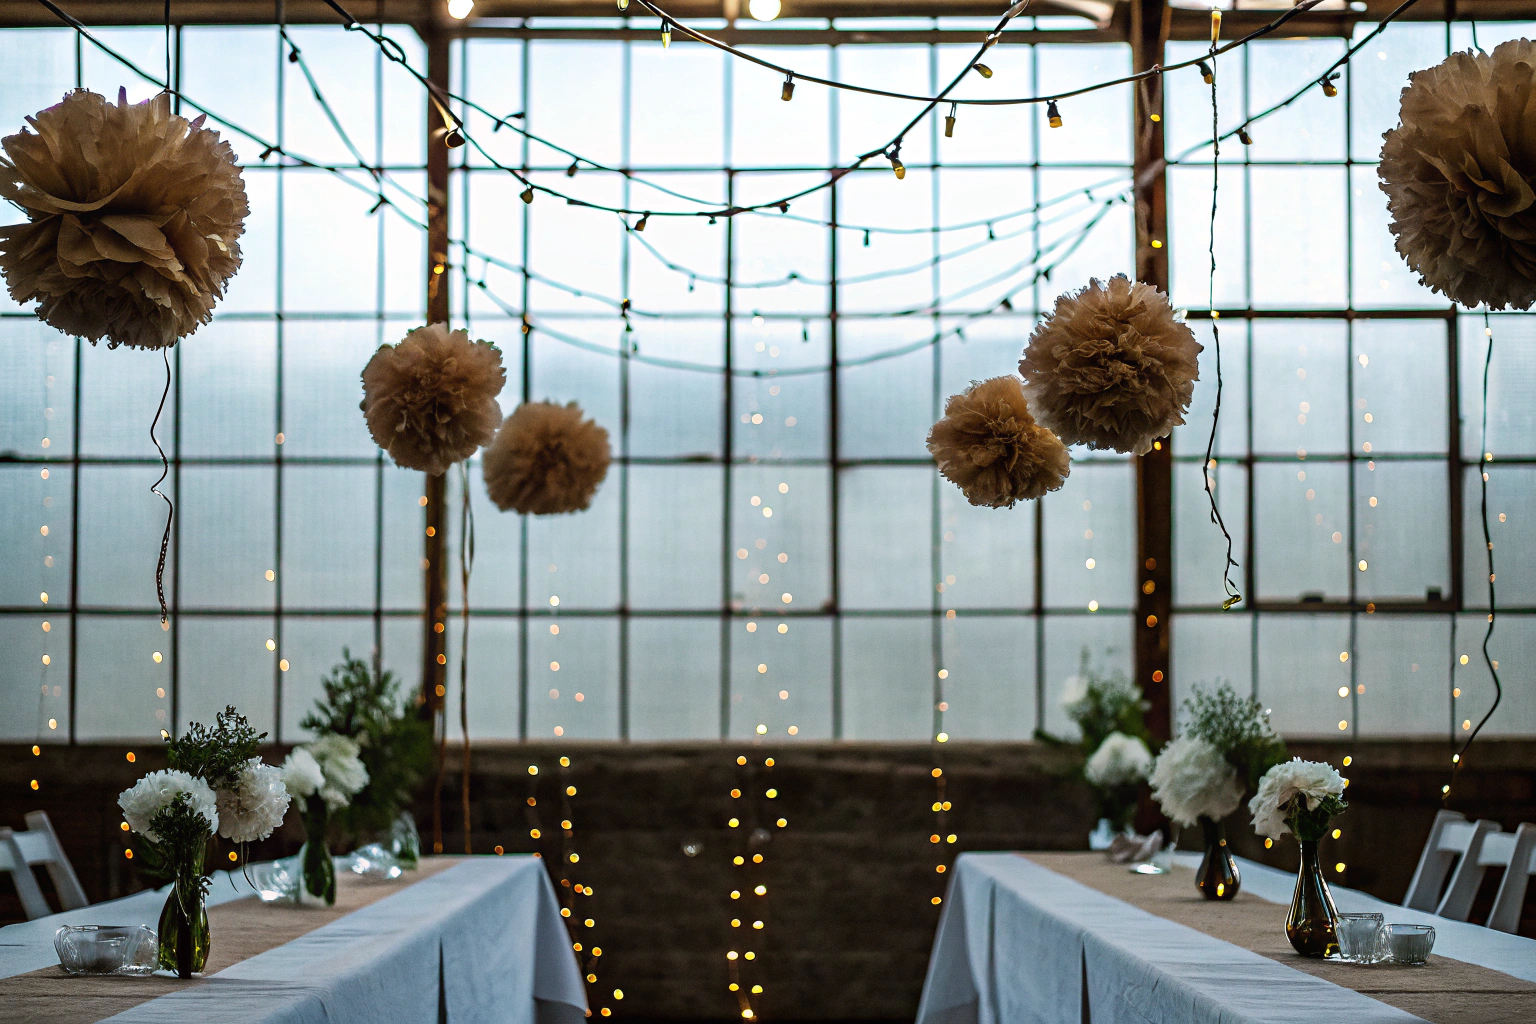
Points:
[(1452, 840), (39, 845), (1516, 853)]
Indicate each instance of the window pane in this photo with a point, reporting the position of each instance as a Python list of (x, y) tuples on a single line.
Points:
[(674, 678), (674, 536), (1301, 673), (586, 681), (1301, 528), (888, 678), (799, 662), (885, 537), (1401, 675), (990, 689), (226, 661)]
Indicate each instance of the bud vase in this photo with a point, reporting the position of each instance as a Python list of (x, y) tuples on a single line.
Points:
[(183, 929), (1311, 923), (316, 869), (1218, 878)]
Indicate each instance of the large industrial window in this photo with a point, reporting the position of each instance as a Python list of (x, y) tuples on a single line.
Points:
[(772, 551)]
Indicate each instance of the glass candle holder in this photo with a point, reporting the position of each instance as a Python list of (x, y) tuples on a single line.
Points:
[(1410, 943), (106, 949), (1361, 938)]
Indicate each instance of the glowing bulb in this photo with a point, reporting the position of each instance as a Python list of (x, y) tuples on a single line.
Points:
[(764, 10), (1052, 114), (459, 9)]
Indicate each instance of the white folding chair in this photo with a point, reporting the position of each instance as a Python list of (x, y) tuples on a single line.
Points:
[(1516, 853), (39, 845), (1452, 840)]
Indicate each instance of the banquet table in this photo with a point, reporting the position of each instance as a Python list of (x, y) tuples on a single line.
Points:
[(459, 941), (1071, 938)]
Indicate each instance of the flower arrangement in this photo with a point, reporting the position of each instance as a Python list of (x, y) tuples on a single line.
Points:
[(1121, 760), (1109, 710), (1192, 779), (324, 774), (1238, 727), (1299, 797), (363, 703), (216, 784)]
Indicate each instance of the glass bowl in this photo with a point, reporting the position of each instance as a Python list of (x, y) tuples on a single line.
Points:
[(1410, 943), (107, 949)]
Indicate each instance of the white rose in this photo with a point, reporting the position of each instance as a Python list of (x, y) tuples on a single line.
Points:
[(1119, 761), (256, 805), (1310, 781), (157, 791)]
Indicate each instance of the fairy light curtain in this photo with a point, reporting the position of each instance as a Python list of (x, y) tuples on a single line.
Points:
[(933, 632)]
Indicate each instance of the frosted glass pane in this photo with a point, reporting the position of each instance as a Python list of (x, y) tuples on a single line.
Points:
[(990, 689), (1094, 128), (1511, 385), (1401, 675), (887, 407), (1381, 279), (254, 288), (491, 70), (330, 245), (1209, 650), (792, 404), (1512, 527), (313, 647), (229, 390), (1313, 127), (233, 72), (1376, 82), (1187, 103), (118, 681), (573, 96), (496, 544), (573, 560), (799, 662), (1513, 646), (1301, 393), (1300, 674), (780, 134), (1199, 549), (888, 678), (799, 529), (37, 563), (1090, 538), (30, 692), (1298, 224), (1189, 231), (674, 679), (120, 390), (880, 198), (1400, 373), (768, 247), (587, 680), (1232, 432), (574, 250), (40, 69), (885, 537), (1301, 528), (329, 530), (225, 661), (120, 526), (228, 536), (323, 384), (677, 413), (988, 554), (37, 389), (1106, 641), (868, 122), (562, 373), (676, 106), (1402, 530), (674, 536), (494, 698), (988, 135)]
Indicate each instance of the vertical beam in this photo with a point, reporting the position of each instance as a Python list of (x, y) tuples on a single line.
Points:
[(1154, 470), (434, 670)]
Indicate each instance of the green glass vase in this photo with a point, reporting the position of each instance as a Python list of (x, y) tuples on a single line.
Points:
[(183, 933), (1312, 923), (1218, 877), (317, 871)]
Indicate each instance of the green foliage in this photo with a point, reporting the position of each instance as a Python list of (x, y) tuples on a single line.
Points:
[(183, 833), (1238, 727), (216, 755), (364, 704), (1109, 703), (1311, 825)]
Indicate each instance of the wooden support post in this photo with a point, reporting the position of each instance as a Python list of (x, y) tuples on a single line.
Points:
[(1150, 21), (434, 673)]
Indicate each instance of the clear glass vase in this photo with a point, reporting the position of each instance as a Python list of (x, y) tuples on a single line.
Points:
[(1312, 924), (405, 841), (1218, 877), (317, 871), (183, 931)]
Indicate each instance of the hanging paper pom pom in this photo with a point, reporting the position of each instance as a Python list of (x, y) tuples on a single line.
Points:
[(132, 216), (431, 400), (1458, 172), (989, 446), (1112, 367), (545, 460)]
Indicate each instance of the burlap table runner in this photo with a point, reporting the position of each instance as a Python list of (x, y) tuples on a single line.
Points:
[(1443, 991), (239, 930)]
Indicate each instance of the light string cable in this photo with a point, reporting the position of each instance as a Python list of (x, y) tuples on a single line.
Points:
[(1484, 458), (457, 136), (466, 564), (1232, 595), (165, 465)]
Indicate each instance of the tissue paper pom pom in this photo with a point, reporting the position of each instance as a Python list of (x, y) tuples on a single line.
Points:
[(1458, 170), (1111, 367), (431, 400), (989, 446), (546, 459), (132, 216)]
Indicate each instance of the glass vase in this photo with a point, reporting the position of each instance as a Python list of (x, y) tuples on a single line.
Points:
[(405, 841), (1312, 923), (317, 871), (183, 932), (1218, 877)]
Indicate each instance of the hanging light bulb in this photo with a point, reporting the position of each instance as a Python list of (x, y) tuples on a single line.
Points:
[(666, 33), (1215, 25), (527, 194), (788, 92), (764, 10), (640, 224), (459, 9), (570, 172), (454, 139), (1244, 137), (897, 166), (982, 70), (1206, 73), (623, 5), (1052, 114), (1329, 89), (949, 121)]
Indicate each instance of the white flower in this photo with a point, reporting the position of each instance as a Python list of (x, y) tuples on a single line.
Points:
[(301, 774), (1310, 781), (343, 772), (256, 804), (1073, 691), (1192, 779), (1119, 761), (157, 791)]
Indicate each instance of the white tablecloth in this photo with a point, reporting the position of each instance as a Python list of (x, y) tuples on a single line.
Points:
[(479, 942), (1020, 943)]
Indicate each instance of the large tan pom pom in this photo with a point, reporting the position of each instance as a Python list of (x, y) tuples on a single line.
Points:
[(133, 213), (1112, 367), (1458, 172), (431, 400), (991, 448), (545, 460)]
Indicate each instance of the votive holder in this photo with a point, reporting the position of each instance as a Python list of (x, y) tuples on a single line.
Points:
[(1410, 943), (1361, 938), (106, 949)]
